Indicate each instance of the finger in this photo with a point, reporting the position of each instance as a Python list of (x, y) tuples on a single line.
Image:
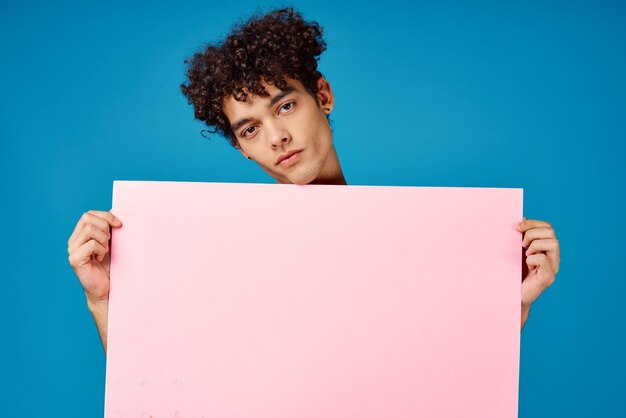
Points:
[(82, 255), (113, 220), (538, 280), (550, 247), (91, 231), (536, 260), (537, 233), (85, 219), (527, 224), (542, 245), (78, 227)]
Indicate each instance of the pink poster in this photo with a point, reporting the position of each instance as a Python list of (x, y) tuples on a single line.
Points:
[(272, 301)]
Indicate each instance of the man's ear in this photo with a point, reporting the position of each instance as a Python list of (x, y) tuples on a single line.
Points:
[(241, 151), (325, 95)]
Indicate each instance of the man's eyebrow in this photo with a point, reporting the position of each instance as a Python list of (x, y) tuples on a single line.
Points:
[(280, 95), (273, 101), (239, 124)]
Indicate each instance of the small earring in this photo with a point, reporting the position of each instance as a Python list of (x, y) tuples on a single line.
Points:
[(249, 158)]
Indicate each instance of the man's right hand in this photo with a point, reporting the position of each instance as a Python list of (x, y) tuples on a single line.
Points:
[(88, 249)]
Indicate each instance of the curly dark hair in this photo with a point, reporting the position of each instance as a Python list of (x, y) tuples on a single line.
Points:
[(272, 46)]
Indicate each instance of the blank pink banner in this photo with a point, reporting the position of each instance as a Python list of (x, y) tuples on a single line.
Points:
[(272, 300)]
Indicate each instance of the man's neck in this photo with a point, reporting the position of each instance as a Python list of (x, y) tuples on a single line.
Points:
[(331, 173), (339, 180)]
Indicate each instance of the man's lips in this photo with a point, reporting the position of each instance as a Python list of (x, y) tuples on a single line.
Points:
[(285, 156)]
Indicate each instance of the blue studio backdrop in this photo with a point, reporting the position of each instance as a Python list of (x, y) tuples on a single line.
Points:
[(487, 94)]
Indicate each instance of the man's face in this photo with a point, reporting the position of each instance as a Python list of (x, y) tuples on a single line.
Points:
[(267, 128)]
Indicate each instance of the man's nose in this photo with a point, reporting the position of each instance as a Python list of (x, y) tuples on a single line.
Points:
[(278, 135)]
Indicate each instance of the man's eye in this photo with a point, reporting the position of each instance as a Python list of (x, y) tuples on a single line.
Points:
[(288, 106), (248, 130)]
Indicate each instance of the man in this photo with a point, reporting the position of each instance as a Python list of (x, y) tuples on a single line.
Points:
[(261, 90)]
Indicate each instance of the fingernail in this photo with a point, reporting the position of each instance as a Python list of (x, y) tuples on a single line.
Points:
[(520, 225)]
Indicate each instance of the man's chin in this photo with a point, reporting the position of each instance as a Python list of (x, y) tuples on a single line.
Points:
[(301, 182), (304, 178)]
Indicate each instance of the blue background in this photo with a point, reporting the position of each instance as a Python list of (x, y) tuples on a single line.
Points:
[(527, 94)]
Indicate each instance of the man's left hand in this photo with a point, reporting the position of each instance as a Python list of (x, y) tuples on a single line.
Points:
[(540, 261)]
